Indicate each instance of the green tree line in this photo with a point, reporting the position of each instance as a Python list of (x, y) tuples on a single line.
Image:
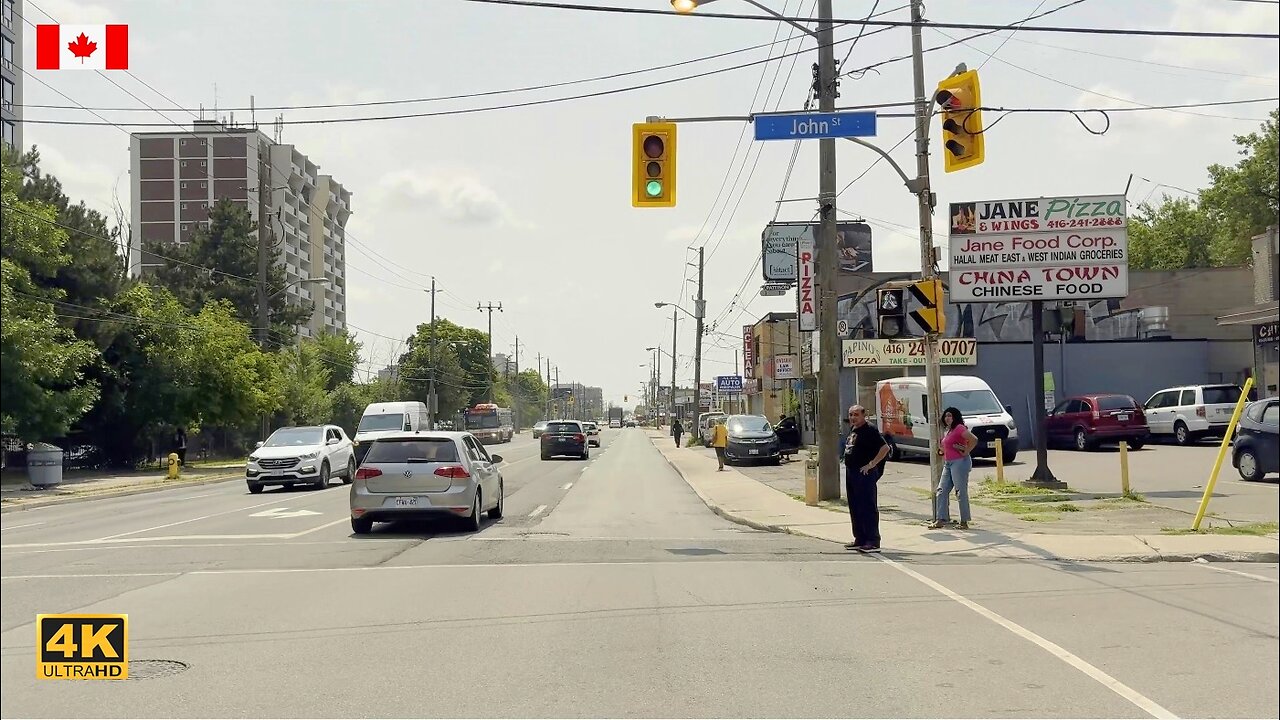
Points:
[(94, 357)]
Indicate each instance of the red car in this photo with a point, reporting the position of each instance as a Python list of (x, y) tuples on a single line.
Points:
[(1086, 421)]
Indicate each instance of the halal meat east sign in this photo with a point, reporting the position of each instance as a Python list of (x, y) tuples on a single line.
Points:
[(1065, 248)]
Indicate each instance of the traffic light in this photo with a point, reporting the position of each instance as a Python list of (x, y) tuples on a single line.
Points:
[(959, 97), (891, 311), (653, 165), (626, 398), (932, 315)]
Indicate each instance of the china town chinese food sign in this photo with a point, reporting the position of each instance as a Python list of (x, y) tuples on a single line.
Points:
[(1054, 248)]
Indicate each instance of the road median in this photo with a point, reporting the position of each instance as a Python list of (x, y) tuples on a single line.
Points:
[(747, 501), (22, 496)]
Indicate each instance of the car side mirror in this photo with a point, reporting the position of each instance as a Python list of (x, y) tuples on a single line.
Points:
[(496, 459), (257, 445), (333, 441)]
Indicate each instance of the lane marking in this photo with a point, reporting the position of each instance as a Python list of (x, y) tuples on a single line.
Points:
[(321, 527), (19, 527), (1241, 573), (566, 486), (187, 546), (1144, 703), (273, 501), (537, 511), (446, 566)]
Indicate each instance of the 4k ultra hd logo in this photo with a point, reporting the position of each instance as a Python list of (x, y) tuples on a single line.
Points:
[(82, 647)]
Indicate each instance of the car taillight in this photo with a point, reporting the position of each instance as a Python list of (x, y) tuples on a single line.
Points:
[(579, 437), (1200, 411), (365, 473), (454, 472)]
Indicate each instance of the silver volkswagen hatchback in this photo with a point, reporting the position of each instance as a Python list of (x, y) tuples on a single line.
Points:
[(415, 474)]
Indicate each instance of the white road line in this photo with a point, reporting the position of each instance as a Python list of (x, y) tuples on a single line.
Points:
[(183, 522), (19, 527), (537, 511), (1144, 703), (282, 543), (566, 486), (320, 527), (1263, 578)]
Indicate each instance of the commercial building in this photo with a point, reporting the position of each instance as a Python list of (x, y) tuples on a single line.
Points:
[(772, 367), (1261, 316), (177, 176), (11, 74)]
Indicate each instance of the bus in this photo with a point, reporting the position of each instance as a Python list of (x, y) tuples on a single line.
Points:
[(489, 423)]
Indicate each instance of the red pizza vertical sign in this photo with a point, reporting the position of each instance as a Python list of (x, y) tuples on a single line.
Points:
[(748, 351), (806, 297)]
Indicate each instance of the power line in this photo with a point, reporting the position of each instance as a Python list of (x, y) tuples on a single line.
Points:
[(885, 23)]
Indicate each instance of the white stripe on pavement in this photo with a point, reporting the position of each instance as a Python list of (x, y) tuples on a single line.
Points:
[(537, 511), (273, 501), (566, 486), (1241, 573), (1143, 702)]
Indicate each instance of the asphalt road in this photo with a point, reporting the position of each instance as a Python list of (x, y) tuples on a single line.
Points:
[(608, 590)]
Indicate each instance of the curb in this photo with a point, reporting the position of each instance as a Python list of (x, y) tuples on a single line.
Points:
[(1153, 557), (123, 492)]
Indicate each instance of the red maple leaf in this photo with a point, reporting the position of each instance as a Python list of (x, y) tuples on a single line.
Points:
[(82, 48)]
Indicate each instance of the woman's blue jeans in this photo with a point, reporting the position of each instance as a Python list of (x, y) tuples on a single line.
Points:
[(955, 476)]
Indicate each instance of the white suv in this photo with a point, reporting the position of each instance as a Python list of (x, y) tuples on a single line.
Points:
[(308, 455), (1191, 412)]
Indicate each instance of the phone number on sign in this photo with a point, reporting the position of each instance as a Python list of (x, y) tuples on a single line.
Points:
[(1085, 222)]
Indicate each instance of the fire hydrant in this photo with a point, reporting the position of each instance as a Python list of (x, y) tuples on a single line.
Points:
[(174, 467)]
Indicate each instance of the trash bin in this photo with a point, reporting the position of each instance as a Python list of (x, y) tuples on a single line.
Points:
[(44, 465)]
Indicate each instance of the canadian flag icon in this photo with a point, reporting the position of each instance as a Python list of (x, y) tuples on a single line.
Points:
[(82, 47)]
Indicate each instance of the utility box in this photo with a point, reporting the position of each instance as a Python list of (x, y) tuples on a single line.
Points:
[(44, 465)]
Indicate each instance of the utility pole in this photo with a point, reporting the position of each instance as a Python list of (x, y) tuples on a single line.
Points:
[(671, 400), (515, 392), (432, 404), (657, 388), (928, 266), (264, 241), (699, 312), (550, 391), (828, 258), (490, 307), (559, 412)]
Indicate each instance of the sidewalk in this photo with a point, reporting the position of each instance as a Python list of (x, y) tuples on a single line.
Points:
[(17, 494), (737, 497)]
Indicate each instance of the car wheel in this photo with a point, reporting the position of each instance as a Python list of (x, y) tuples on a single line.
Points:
[(1137, 443), (586, 454), (322, 482), (546, 456), (1082, 440), (1247, 464), (1181, 434), (254, 488), (1008, 456), (495, 513), (351, 471), (361, 526), (475, 520)]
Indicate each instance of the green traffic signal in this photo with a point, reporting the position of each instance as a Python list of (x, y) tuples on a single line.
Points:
[(653, 188)]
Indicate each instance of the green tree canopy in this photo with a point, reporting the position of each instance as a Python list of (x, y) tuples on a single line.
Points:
[(305, 377)]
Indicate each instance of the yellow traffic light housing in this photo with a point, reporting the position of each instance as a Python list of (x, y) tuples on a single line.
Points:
[(960, 97), (932, 315), (653, 165)]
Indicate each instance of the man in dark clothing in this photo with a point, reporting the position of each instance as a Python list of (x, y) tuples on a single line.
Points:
[(677, 430), (180, 445), (864, 454)]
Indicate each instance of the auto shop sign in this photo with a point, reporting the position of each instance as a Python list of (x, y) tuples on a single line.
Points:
[(1058, 248)]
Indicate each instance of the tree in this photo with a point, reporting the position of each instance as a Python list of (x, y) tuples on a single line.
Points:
[(221, 263), (464, 370), (43, 389), (305, 378), (1173, 235), (173, 368), (1243, 199), (533, 394), (340, 353), (350, 399)]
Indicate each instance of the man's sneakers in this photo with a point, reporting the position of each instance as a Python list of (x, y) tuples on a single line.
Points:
[(862, 548)]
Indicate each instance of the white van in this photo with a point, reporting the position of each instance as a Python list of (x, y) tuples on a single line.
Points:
[(902, 406), (388, 418)]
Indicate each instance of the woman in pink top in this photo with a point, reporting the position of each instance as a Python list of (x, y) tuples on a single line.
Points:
[(957, 442)]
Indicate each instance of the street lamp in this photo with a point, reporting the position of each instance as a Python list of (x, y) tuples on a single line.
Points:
[(684, 7), (302, 281)]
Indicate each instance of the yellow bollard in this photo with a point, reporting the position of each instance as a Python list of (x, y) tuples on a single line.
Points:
[(999, 461), (1124, 468), (1222, 452), (174, 468), (811, 480)]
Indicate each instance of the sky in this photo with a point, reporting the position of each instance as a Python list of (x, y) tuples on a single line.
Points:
[(530, 207)]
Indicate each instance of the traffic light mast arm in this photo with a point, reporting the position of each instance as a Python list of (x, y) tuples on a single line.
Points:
[(913, 185)]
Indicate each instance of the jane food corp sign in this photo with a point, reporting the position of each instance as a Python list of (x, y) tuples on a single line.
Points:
[(1062, 248)]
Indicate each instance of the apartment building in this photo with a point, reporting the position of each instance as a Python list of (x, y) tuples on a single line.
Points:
[(11, 74), (177, 176)]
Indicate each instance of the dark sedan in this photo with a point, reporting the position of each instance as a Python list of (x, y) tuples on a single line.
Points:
[(751, 438), (1255, 451), (565, 437)]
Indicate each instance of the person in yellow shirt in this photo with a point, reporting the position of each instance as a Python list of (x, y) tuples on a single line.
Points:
[(719, 440)]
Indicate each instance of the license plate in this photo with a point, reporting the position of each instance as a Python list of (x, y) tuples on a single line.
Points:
[(753, 451), (988, 445), (1123, 418), (405, 502)]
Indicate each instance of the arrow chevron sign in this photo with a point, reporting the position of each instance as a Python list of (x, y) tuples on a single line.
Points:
[(284, 513)]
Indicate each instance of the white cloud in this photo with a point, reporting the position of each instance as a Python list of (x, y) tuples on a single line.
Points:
[(456, 198)]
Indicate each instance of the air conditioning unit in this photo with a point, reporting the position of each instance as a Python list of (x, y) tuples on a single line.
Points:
[(1155, 322)]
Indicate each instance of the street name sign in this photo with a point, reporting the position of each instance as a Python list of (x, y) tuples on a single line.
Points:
[(774, 289), (812, 126), (1056, 248), (881, 352)]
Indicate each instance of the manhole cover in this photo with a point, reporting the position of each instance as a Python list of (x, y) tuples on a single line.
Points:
[(148, 669), (695, 551)]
